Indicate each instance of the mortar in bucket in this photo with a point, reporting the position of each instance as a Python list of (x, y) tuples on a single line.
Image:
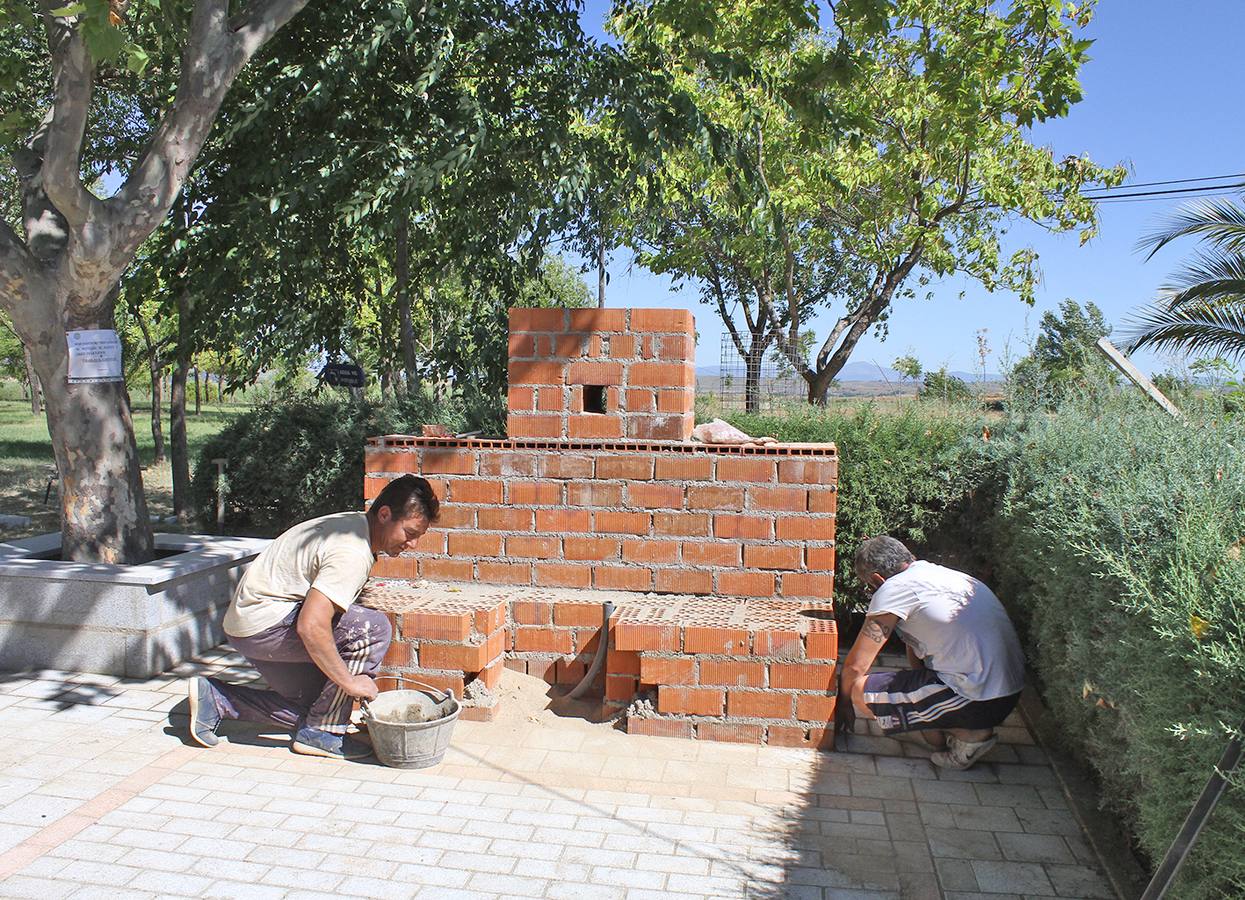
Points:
[(411, 729)]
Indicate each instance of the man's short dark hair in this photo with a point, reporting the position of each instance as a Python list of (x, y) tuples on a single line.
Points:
[(883, 555), (408, 495)]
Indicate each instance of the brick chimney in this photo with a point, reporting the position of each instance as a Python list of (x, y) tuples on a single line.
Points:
[(602, 374)]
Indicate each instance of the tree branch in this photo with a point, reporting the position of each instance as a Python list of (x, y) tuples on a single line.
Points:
[(17, 267), (72, 76)]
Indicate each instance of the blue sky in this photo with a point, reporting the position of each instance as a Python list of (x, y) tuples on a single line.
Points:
[(1160, 96)]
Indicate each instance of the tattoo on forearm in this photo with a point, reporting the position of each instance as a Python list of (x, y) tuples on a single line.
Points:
[(876, 631)]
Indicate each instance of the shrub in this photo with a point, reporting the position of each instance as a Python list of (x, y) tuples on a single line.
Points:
[(942, 385), (299, 457), (1118, 540), (904, 473)]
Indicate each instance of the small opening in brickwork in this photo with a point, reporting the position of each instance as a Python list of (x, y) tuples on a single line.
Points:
[(605, 345), (817, 613), (594, 398)]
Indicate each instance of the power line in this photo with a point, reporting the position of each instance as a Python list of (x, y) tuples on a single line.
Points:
[(1174, 191), (1137, 184)]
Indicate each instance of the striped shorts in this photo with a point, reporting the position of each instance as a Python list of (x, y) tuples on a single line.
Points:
[(918, 700)]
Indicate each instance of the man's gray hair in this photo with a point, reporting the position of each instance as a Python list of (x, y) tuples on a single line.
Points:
[(883, 555)]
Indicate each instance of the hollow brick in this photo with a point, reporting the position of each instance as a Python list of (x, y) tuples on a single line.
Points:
[(562, 465), (466, 657), (537, 319), (509, 465), (562, 520), (594, 426), (521, 345), (678, 347), (646, 551), (660, 375), (775, 642), (490, 675), (505, 519), (730, 732), (396, 567), (679, 728), (598, 319), (822, 501), (570, 346), (622, 662), (802, 584), (493, 572), (584, 372), (621, 688), (805, 528), (471, 490), (534, 426), (726, 525), (606, 522), (435, 626), (570, 671), (550, 399), (589, 548), (491, 619), (446, 569), (555, 575), (760, 470), (531, 612), (577, 614), (622, 346), (778, 499), (470, 543), (590, 493), (662, 320), (711, 553), (641, 400), (682, 401), (770, 556), (545, 669), (732, 641), (819, 558), (806, 677), (659, 428), (655, 496), (399, 461), (622, 578), (637, 467), (812, 708), (634, 636), (714, 496), (536, 372), (543, 640), (454, 516), (447, 462), (690, 700), (535, 546), (373, 486), (681, 524), (732, 673), (759, 704), (398, 655), (678, 581), (808, 471), (821, 645), (795, 736), (535, 493), (666, 670)]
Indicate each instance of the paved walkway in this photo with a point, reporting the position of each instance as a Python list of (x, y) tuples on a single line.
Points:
[(100, 797)]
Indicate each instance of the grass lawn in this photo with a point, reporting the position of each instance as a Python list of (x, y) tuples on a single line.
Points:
[(27, 463)]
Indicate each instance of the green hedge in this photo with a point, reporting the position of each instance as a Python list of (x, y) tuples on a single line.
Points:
[(906, 471), (1117, 541), (296, 458)]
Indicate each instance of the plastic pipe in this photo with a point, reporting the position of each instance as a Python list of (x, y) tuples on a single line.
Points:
[(607, 610)]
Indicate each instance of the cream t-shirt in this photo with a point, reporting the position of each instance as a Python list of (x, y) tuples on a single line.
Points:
[(331, 554)]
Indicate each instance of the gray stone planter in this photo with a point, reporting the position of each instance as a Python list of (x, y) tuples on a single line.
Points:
[(133, 621)]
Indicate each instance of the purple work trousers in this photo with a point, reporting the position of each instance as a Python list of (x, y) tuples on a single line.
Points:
[(301, 694)]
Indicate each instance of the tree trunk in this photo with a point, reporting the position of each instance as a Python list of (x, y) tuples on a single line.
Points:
[(402, 293), (752, 379), (182, 506), (819, 386), (157, 411), (601, 278), (32, 379), (198, 395), (103, 509)]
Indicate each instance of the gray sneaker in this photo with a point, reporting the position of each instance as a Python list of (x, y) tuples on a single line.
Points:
[(314, 742), (960, 755), (203, 715)]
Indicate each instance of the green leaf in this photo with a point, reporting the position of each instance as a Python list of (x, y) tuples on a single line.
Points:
[(136, 59), (274, 204), (102, 41), (72, 9)]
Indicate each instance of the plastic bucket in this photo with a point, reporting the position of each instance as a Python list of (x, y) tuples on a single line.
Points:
[(404, 733)]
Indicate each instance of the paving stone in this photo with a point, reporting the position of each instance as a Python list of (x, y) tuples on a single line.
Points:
[(1048, 821), (963, 844), (1025, 878), (1039, 848), (955, 874), (1008, 795), (1079, 881)]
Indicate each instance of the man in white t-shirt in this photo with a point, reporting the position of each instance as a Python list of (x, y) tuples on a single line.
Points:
[(967, 665), (294, 617)]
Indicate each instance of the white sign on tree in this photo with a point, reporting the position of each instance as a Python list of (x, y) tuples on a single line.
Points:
[(94, 356)]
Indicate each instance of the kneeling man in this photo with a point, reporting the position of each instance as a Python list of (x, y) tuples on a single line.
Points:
[(968, 668), (295, 619)]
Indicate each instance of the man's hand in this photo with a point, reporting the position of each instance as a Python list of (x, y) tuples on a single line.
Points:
[(360, 687), (844, 715)]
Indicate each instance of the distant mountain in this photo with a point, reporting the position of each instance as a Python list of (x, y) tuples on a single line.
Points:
[(867, 371)]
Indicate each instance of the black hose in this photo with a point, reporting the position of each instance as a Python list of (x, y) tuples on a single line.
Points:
[(607, 610)]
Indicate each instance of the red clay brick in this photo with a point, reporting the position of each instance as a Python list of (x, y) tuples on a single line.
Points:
[(771, 556), (778, 499), (655, 496), (550, 399), (562, 520), (622, 346), (746, 469), (711, 553), (466, 657), (622, 578), (637, 467), (589, 493), (714, 496), (732, 641), (822, 501), (446, 569), (570, 671), (452, 516), (534, 546), (659, 374), (398, 655), (570, 346), (805, 528), (677, 347), (577, 614), (468, 543), (662, 320), (472, 490), (821, 645), (622, 662), (732, 673), (537, 319), (807, 677), (679, 581), (581, 548), (641, 401), (543, 640), (531, 612), (690, 700), (546, 669), (521, 345), (681, 524), (447, 462), (373, 486), (508, 465), (536, 372), (758, 704), (819, 558), (490, 620), (534, 426), (505, 519), (516, 665), (584, 372), (646, 551), (802, 584), (805, 471), (795, 736), (811, 708), (621, 688), (659, 428), (594, 427), (400, 461), (726, 525), (665, 670), (730, 732), (598, 320), (677, 728), (777, 643), (562, 465), (396, 567), (746, 584), (436, 626), (684, 468), (535, 493), (491, 572), (555, 575), (633, 636), (679, 400), (521, 399), (605, 522), (490, 675)]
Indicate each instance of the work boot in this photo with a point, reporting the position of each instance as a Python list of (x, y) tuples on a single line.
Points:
[(959, 754), (314, 742), (204, 718)]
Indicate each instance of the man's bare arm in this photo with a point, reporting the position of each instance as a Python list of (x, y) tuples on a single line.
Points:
[(315, 628), (873, 635)]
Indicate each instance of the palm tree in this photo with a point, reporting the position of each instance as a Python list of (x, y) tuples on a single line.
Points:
[(1202, 309)]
